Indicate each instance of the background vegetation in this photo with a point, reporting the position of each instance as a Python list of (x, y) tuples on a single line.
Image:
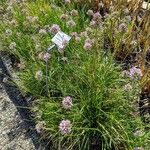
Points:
[(94, 84)]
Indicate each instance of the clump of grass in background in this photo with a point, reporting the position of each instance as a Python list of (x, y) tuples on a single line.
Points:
[(90, 102)]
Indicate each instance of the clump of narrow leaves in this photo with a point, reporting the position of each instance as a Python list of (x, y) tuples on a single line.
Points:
[(90, 101)]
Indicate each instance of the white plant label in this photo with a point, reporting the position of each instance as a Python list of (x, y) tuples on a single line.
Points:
[(61, 39)]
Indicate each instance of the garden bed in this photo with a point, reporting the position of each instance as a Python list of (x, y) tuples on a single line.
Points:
[(92, 94)]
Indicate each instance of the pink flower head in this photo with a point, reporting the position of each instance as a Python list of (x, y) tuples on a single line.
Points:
[(93, 23), (12, 46), (8, 32), (127, 87), (67, 1), (106, 15), (77, 39), (89, 30), (64, 17), (74, 34), (39, 126), (128, 18), (125, 73), (42, 31), (67, 102), (37, 47), (54, 29), (134, 42), (87, 46), (126, 11), (135, 71), (71, 24), (97, 16), (90, 13), (41, 55), (139, 133), (88, 40), (46, 56), (122, 27), (65, 127), (101, 4), (13, 23), (84, 34), (39, 75), (21, 65), (74, 12), (32, 19)]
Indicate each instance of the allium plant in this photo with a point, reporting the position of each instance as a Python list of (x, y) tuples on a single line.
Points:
[(65, 127), (67, 102), (54, 29), (89, 102)]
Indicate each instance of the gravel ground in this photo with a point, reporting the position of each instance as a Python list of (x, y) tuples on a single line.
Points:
[(13, 135)]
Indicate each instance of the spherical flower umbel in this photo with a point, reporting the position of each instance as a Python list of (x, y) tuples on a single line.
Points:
[(12, 46), (93, 23), (41, 55), (90, 12), (40, 126), (84, 34), (122, 27), (37, 47), (138, 133), (64, 17), (77, 39), (88, 40), (67, 1), (8, 32), (97, 16), (74, 34), (128, 18), (89, 30), (46, 56), (32, 19), (127, 87), (13, 23), (71, 24), (135, 71), (125, 73), (39, 75), (21, 65), (101, 4), (54, 29), (126, 11), (42, 31), (74, 12), (65, 127), (87, 46), (67, 102)]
